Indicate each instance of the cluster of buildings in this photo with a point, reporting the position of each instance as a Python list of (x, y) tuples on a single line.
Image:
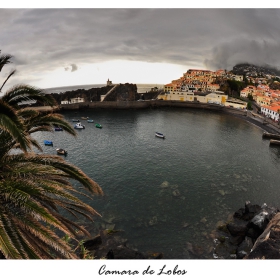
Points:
[(267, 99), (200, 86), (73, 100)]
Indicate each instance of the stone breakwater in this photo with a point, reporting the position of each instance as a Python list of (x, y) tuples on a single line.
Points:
[(138, 105)]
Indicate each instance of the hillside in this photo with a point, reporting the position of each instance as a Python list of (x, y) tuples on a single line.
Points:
[(255, 70)]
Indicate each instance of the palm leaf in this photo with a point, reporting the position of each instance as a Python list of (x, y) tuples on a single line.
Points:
[(25, 93), (9, 122)]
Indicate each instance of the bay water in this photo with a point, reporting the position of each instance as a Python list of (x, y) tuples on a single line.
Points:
[(166, 194)]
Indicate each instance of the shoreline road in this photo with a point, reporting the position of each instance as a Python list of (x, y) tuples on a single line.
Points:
[(263, 123)]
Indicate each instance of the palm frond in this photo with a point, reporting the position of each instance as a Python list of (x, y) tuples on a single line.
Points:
[(10, 123), (9, 76), (69, 169), (6, 245), (4, 60), (25, 93)]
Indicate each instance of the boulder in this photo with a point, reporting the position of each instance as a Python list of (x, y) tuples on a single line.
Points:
[(109, 244), (123, 252), (244, 248), (267, 246), (237, 227)]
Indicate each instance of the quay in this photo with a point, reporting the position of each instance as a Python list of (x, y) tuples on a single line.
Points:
[(271, 136), (274, 142), (143, 104)]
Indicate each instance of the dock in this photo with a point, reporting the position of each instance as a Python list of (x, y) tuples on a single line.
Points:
[(274, 142), (271, 136)]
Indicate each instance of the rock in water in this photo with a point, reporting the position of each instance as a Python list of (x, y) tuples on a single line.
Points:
[(165, 184)]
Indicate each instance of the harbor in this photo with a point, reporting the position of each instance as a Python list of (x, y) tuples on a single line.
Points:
[(170, 190)]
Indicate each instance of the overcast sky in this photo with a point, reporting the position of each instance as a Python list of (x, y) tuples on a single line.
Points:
[(61, 47)]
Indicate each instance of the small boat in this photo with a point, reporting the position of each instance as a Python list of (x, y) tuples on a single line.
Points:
[(58, 129), (79, 125), (48, 143), (84, 118), (90, 121), (160, 135), (75, 120), (61, 152), (98, 125)]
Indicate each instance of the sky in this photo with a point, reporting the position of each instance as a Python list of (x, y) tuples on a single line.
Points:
[(53, 47)]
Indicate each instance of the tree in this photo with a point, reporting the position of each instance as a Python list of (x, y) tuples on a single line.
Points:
[(249, 105), (35, 188), (250, 97)]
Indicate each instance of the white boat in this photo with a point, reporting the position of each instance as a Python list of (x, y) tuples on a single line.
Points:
[(160, 135), (79, 126)]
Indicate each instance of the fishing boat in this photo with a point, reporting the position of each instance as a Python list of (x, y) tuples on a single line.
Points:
[(84, 118), (48, 143), (61, 151), (98, 125), (79, 126), (58, 129), (75, 120), (90, 121), (160, 135)]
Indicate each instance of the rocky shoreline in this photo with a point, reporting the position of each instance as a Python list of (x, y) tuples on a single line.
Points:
[(252, 232)]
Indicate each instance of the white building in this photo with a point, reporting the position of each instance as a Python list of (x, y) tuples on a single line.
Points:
[(217, 97), (77, 100), (271, 112)]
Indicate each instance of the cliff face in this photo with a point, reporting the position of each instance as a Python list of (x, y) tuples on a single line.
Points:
[(123, 92), (119, 92)]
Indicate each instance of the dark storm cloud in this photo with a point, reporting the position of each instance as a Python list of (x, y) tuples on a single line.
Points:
[(72, 68), (45, 39)]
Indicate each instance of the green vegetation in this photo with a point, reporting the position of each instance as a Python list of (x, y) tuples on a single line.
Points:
[(34, 188), (249, 105), (250, 97), (236, 85)]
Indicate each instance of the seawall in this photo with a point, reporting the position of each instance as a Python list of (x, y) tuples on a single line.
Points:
[(145, 104), (243, 114)]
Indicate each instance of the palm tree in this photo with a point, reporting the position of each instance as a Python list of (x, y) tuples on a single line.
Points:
[(35, 190)]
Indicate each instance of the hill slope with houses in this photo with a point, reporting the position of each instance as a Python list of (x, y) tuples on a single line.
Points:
[(245, 81)]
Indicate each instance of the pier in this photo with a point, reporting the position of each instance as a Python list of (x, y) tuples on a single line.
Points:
[(271, 136)]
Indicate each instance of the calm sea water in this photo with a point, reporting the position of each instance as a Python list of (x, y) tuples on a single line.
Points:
[(168, 193)]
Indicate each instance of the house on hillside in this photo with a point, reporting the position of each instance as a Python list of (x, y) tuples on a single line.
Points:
[(77, 100), (271, 112)]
